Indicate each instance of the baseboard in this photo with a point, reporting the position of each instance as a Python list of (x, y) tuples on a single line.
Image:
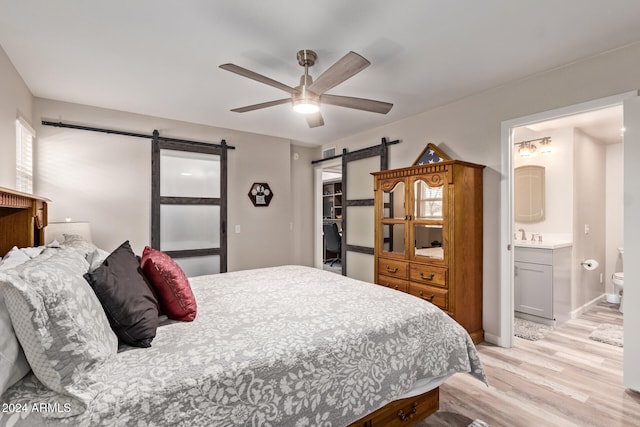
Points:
[(578, 311), (494, 339)]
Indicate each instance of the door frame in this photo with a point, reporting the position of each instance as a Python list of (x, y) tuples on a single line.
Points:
[(505, 337)]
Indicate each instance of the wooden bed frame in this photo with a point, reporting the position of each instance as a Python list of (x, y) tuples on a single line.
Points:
[(23, 218), (404, 412)]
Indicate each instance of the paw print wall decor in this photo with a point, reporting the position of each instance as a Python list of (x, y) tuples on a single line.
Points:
[(260, 194)]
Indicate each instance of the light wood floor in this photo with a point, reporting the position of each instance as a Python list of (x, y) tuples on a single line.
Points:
[(566, 379)]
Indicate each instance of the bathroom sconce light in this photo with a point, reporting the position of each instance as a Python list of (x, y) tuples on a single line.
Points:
[(527, 148), (545, 145)]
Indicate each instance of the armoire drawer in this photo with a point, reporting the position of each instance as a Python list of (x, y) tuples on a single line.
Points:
[(437, 296), (394, 283), (392, 268), (428, 275)]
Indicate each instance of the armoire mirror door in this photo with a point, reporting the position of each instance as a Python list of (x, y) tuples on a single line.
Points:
[(428, 225), (393, 218)]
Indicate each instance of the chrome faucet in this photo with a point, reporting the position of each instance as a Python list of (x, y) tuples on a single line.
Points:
[(524, 236)]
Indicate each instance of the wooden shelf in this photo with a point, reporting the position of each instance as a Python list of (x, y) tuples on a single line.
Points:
[(332, 200), (22, 219)]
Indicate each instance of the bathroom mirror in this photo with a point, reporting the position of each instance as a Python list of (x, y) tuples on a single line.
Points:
[(529, 194)]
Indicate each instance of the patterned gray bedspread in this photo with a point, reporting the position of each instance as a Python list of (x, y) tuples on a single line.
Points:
[(281, 346)]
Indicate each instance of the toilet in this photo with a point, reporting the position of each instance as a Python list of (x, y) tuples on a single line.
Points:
[(618, 281)]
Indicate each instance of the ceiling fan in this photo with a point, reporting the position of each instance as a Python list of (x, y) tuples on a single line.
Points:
[(307, 97)]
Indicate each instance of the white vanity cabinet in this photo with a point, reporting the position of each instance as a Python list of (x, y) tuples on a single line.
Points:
[(543, 282)]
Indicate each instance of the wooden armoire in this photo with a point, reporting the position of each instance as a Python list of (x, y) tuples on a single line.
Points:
[(428, 236)]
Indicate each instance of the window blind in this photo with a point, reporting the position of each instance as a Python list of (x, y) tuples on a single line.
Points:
[(24, 155)]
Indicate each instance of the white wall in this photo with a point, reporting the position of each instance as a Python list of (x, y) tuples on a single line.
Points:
[(559, 168), (469, 129), (15, 98), (302, 201), (588, 209), (614, 212), (106, 179)]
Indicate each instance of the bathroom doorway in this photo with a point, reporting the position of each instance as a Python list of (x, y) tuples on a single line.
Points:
[(568, 209), (508, 138)]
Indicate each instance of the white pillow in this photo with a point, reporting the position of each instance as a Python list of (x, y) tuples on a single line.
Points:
[(13, 363), (79, 243), (61, 325), (33, 251), (14, 258), (96, 258)]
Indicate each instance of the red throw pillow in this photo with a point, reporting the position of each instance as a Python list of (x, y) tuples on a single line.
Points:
[(170, 283)]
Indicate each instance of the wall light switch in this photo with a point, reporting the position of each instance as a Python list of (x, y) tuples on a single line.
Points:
[(586, 229), (237, 228)]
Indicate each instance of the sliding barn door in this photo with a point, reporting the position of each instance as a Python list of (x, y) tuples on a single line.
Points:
[(358, 211), (189, 205)]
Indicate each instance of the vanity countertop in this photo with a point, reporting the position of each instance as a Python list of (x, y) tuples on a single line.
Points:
[(552, 244)]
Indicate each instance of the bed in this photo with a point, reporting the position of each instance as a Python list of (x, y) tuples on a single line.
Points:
[(279, 346)]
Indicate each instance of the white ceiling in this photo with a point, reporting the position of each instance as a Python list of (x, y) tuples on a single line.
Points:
[(161, 58), (604, 125)]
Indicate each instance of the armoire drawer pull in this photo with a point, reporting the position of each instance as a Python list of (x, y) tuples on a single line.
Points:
[(395, 287), (392, 270), (429, 298), (429, 277), (407, 417)]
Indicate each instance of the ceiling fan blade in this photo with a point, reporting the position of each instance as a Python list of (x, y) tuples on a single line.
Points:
[(314, 119), (261, 105), (348, 66), (357, 103), (257, 77)]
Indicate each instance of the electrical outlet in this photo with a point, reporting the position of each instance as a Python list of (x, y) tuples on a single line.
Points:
[(237, 228), (601, 278), (586, 229)]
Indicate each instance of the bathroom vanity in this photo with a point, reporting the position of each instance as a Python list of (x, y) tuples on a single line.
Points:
[(542, 281)]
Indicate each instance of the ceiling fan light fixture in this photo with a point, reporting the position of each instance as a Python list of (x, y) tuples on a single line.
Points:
[(305, 102), (305, 107), (306, 97)]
